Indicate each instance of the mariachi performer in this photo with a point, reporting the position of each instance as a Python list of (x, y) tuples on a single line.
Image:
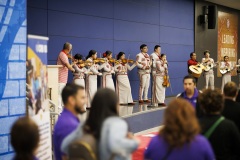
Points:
[(161, 77), (91, 79), (107, 71), (157, 78), (80, 70), (143, 63), (123, 88), (226, 68), (208, 71)]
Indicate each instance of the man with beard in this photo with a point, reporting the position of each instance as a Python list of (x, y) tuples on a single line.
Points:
[(74, 99), (190, 91)]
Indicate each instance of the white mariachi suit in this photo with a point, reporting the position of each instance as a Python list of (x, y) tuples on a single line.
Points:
[(227, 76), (91, 81), (123, 88), (78, 75), (107, 80), (209, 75), (158, 91), (143, 61)]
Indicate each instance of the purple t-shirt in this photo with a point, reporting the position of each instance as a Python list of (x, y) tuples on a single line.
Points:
[(193, 99), (67, 122), (198, 149)]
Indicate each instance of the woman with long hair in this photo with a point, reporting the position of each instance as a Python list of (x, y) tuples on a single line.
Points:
[(25, 138), (107, 71), (91, 79), (179, 138), (123, 88), (109, 130)]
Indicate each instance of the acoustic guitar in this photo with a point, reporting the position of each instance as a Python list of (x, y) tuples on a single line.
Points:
[(208, 66), (196, 70), (227, 69)]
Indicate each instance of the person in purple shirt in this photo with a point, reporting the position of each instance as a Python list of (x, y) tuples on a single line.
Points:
[(74, 99), (190, 91), (25, 138), (179, 139)]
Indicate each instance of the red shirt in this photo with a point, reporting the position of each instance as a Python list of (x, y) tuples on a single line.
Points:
[(63, 71), (191, 62)]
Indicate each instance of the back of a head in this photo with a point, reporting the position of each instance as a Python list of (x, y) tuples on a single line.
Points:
[(211, 101), (24, 138), (104, 105), (230, 89), (180, 123)]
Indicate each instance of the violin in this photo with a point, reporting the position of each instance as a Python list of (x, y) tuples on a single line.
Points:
[(128, 61), (80, 65), (112, 60), (166, 82), (99, 60), (124, 61), (70, 57)]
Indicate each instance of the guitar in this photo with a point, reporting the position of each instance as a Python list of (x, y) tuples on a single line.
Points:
[(196, 70), (226, 69), (208, 66)]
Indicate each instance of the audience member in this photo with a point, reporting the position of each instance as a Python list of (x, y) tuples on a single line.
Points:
[(25, 138), (110, 131), (221, 133), (74, 99), (231, 109), (179, 138), (190, 91)]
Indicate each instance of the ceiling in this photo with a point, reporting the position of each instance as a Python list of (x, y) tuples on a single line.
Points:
[(228, 3)]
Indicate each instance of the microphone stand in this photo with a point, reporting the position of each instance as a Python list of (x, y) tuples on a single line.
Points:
[(151, 105)]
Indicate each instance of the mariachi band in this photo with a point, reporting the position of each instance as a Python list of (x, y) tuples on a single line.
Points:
[(86, 72), (155, 65)]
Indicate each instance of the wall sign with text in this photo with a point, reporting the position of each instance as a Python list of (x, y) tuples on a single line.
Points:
[(227, 38)]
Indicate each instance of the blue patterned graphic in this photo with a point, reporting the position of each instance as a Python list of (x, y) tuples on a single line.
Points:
[(12, 69)]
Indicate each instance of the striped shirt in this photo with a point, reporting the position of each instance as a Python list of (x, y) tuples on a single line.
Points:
[(63, 71)]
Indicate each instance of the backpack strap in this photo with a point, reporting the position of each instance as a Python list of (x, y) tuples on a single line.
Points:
[(89, 148), (209, 132)]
